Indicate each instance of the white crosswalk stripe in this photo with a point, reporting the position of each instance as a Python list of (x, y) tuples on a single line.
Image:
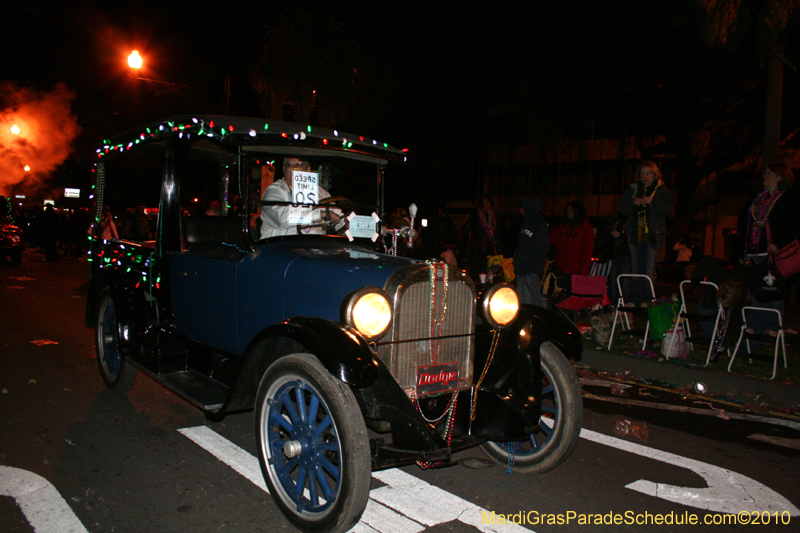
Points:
[(405, 505)]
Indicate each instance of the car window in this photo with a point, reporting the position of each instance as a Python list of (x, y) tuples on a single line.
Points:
[(208, 178), (132, 189)]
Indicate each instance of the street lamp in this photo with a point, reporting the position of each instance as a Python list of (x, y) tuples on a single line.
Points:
[(15, 129), (135, 60)]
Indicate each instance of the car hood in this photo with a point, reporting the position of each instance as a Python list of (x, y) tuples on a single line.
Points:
[(347, 268), (318, 274)]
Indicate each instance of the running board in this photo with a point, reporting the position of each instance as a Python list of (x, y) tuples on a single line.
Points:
[(194, 387)]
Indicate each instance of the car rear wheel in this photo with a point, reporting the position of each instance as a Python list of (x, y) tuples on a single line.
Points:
[(559, 426), (313, 445), (15, 257), (116, 372)]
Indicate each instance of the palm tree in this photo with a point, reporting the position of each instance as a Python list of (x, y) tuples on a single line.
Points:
[(729, 23)]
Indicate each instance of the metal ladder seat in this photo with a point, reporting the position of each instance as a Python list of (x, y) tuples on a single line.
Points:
[(747, 337), (632, 310)]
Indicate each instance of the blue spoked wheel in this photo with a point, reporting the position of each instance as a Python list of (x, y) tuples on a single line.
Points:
[(559, 426), (313, 445), (116, 372)]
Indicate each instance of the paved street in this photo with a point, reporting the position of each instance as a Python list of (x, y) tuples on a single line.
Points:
[(75, 456)]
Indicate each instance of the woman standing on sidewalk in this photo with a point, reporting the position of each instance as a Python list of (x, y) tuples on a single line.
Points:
[(777, 208), (646, 203)]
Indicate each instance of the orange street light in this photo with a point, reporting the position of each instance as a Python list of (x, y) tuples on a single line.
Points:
[(135, 60), (26, 168), (15, 129)]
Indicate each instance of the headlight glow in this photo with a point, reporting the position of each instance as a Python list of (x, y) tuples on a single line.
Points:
[(369, 311), (501, 305)]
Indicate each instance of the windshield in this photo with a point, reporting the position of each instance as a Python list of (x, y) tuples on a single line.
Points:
[(267, 191), (312, 194)]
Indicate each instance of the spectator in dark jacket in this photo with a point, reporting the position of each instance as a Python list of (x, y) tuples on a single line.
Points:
[(646, 203), (51, 230), (614, 248), (770, 222), (532, 246)]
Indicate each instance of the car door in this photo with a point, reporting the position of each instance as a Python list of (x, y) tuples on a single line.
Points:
[(203, 293)]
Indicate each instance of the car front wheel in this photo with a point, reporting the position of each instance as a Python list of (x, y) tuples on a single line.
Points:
[(559, 426), (116, 372), (313, 445)]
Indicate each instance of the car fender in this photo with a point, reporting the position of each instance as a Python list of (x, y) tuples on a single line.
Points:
[(514, 372), (340, 349), (547, 326)]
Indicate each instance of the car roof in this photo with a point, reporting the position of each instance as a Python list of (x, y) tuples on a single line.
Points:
[(259, 135)]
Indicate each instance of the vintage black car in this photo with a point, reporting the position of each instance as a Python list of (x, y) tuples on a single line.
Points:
[(12, 237), (313, 326)]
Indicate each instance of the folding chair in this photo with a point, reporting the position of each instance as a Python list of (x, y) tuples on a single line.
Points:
[(632, 310), (585, 293), (761, 338), (600, 269), (685, 315)]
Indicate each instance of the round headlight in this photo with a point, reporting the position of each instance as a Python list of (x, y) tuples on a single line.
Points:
[(369, 311), (500, 305)]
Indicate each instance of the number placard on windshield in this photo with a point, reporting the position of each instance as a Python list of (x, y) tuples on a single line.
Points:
[(305, 191), (305, 187)]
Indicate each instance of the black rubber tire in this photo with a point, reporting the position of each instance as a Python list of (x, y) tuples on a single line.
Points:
[(116, 371), (15, 257), (565, 399), (344, 445)]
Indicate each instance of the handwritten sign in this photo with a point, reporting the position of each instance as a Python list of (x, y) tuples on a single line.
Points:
[(362, 226)]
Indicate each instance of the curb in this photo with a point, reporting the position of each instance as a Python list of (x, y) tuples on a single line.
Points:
[(717, 382)]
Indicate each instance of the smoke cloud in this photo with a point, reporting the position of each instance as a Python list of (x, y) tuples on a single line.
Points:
[(46, 132)]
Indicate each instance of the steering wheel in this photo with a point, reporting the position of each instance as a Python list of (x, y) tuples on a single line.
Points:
[(345, 207)]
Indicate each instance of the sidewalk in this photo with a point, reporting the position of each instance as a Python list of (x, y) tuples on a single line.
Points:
[(785, 389), (717, 380)]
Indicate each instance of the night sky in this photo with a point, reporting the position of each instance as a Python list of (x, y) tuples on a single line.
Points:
[(453, 61)]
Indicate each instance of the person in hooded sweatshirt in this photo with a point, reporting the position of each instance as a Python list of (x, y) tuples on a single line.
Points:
[(531, 252)]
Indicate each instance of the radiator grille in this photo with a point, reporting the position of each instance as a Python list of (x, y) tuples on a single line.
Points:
[(412, 322)]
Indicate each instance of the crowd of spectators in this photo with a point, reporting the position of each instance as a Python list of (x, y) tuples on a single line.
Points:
[(59, 232), (629, 241), (64, 232)]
